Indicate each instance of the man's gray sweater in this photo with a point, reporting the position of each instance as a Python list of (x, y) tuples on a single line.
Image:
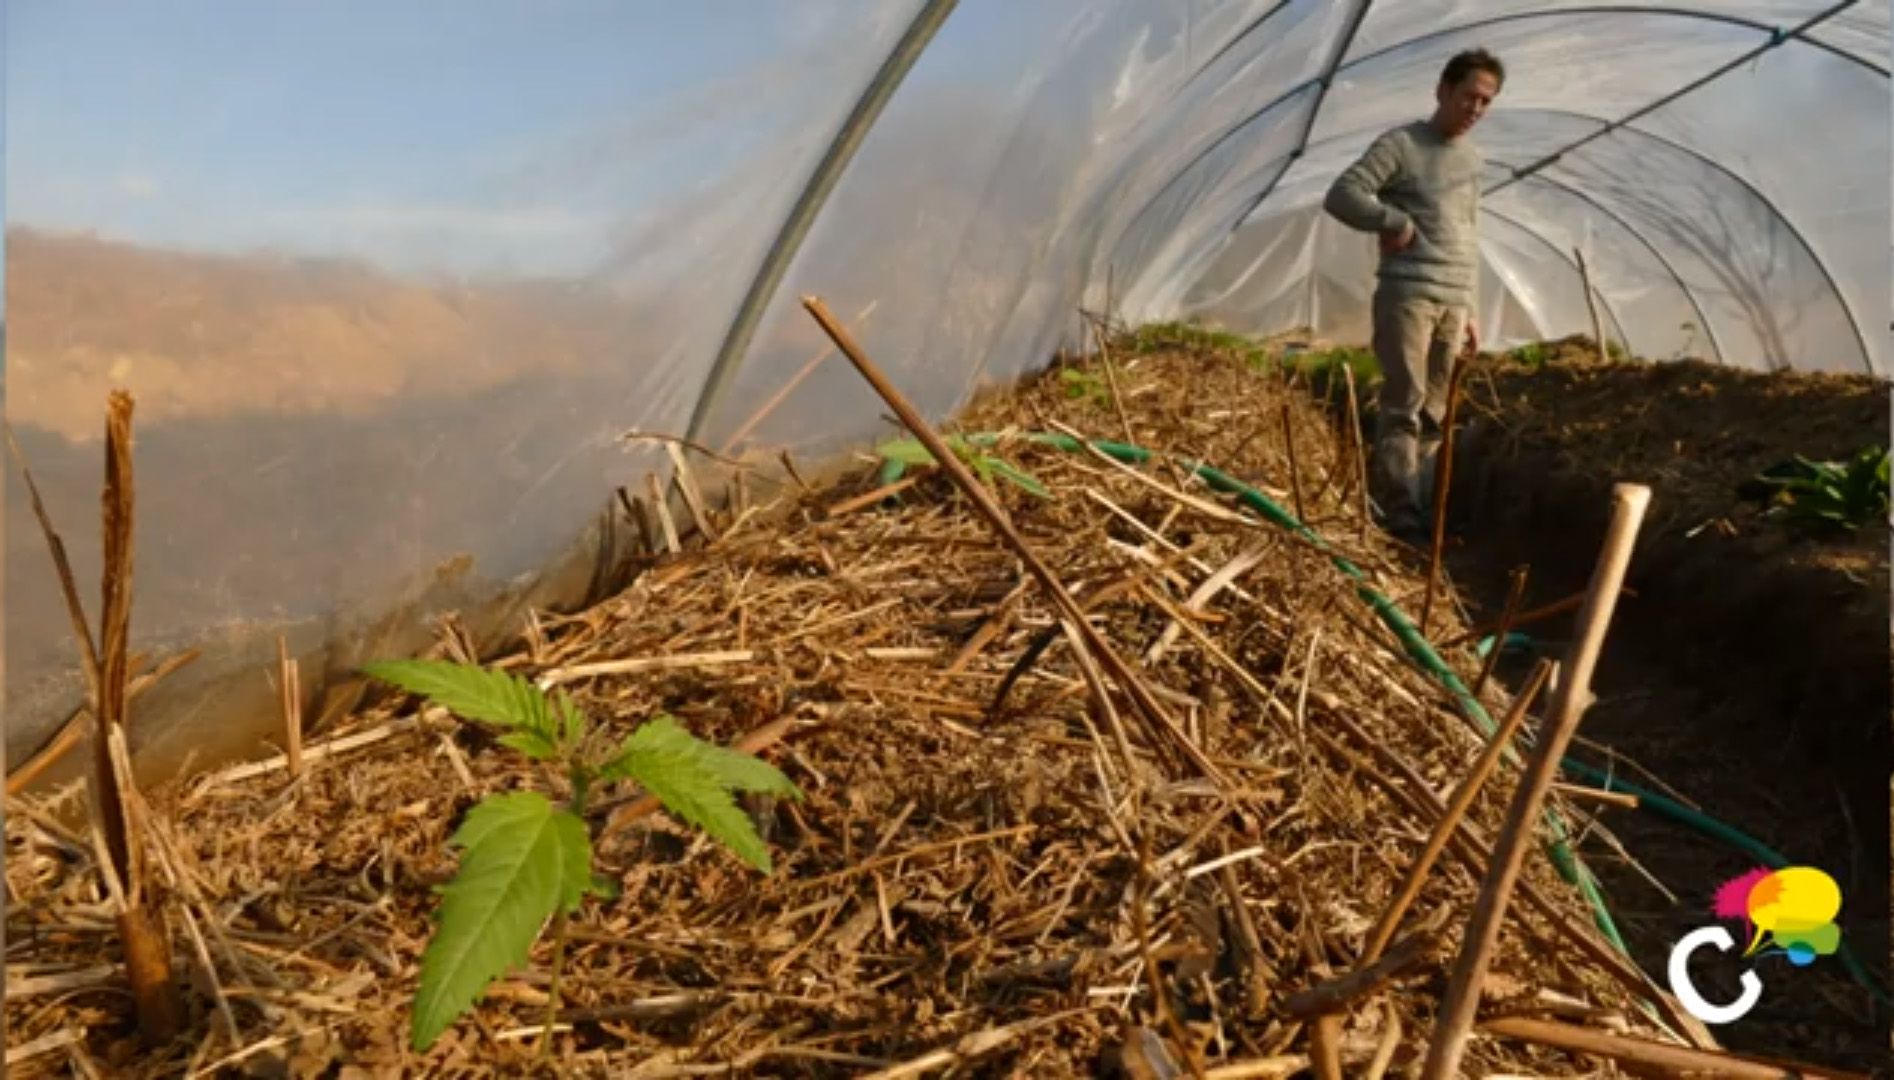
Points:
[(1413, 173)]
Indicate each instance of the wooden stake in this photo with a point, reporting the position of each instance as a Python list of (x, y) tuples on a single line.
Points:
[(1656, 1055), (1457, 1012), (1591, 302), (1325, 1047), (1361, 451), (1513, 596), (1443, 479), (1457, 807), (1084, 635), (1111, 380)]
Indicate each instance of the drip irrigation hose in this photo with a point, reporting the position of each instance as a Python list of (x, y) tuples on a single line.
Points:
[(1429, 661)]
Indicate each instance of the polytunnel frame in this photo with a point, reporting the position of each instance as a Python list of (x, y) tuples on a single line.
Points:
[(1321, 83), (1777, 36), (1566, 257), (815, 193), (933, 14), (1703, 318)]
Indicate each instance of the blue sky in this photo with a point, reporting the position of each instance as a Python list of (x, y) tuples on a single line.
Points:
[(470, 127)]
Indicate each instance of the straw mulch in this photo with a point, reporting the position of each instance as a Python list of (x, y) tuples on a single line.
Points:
[(993, 888)]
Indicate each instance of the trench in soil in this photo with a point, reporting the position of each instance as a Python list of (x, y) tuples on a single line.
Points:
[(1757, 688)]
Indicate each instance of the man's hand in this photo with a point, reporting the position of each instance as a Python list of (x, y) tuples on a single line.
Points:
[(1400, 241), (1473, 336)]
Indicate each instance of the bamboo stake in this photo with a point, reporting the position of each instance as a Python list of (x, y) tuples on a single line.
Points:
[(1591, 303), (1325, 1046), (1635, 1051), (1513, 596), (1456, 1015), (1361, 452), (1083, 634), (1443, 480)]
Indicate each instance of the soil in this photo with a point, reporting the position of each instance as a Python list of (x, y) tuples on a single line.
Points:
[(1751, 669)]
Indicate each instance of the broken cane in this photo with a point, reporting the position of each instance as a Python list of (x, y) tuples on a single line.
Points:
[(1569, 699)]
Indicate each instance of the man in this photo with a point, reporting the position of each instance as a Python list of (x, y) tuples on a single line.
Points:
[(1418, 188)]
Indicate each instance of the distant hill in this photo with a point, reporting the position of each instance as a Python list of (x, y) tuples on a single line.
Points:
[(196, 335)]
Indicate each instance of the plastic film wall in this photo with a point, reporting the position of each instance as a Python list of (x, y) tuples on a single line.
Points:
[(390, 282)]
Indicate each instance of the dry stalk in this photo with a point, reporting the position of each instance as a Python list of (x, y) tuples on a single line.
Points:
[(1111, 382), (289, 685), (1457, 808), (1527, 618), (1295, 468), (1084, 635), (74, 730), (147, 948)]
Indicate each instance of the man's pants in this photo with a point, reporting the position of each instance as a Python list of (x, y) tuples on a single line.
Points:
[(1415, 342)]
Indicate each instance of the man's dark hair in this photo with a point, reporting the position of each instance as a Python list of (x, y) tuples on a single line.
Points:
[(1466, 63)]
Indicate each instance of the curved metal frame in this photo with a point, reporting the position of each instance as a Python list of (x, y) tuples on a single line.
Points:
[(1255, 25), (1834, 286), (1703, 318), (1284, 162), (1775, 39), (1569, 260), (814, 196)]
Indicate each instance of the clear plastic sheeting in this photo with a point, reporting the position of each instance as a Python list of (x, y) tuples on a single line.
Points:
[(1774, 255), (390, 283)]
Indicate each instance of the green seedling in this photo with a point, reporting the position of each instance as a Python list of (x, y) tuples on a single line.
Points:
[(1533, 355), (1084, 384), (525, 859), (1825, 494), (914, 454)]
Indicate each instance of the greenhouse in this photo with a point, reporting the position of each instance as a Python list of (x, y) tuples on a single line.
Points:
[(939, 431)]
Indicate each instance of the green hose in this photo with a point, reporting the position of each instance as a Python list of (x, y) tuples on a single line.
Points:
[(1430, 661)]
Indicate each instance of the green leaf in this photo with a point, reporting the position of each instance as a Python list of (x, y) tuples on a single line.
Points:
[(693, 778), (606, 888), (534, 744), (738, 771), (1023, 480), (572, 716), (906, 451), (488, 695), (522, 860)]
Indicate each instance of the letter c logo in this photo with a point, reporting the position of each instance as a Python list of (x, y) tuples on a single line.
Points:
[(1686, 991)]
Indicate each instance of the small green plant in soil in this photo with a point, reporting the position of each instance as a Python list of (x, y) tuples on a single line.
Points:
[(914, 454), (524, 859), (1084, 384), (1825, 494), (1158, 337), (1533, 355), (1323, 365)]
